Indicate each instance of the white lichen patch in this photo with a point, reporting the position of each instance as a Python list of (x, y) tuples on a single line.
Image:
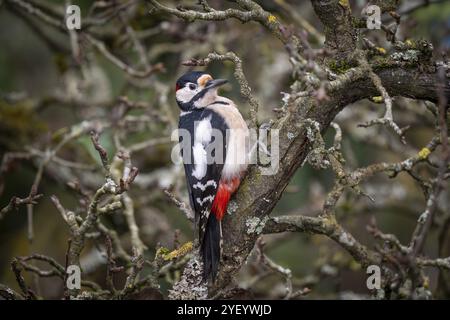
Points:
[(191, 285), (407, 164), (317, 158), (346, 239), (285, 98), (232, 207), (256, 225), (311, 79), (290, 135), (423, 217), (110, 186), (312, 128), (408, 55), (380, 294)]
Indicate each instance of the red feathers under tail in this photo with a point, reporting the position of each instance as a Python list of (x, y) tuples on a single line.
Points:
[(223, 195)]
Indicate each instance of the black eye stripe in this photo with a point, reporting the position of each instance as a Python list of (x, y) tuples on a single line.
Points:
[(192, 86)]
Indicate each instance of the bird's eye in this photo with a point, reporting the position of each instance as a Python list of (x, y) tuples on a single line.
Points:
[(192, 86)]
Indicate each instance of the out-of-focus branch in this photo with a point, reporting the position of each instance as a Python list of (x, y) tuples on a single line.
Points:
[(438, 263), (26, 291), (328, 227), (79, 228), (284, 272), (293, 12), (101, 47), (9, 294), (85, 33), (75, 132), (15, 202), (251, 11), (439, 184), (181, 205)]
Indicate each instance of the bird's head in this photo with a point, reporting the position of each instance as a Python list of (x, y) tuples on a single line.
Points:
[(196, 89)]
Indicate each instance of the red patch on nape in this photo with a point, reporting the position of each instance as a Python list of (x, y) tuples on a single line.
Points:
[(177, 87), (223, 195)]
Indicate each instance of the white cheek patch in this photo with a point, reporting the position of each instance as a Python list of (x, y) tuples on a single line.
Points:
[(203, 133), (184, 95)]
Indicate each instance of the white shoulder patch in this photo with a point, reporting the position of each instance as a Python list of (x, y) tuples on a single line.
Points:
[(203, 132)]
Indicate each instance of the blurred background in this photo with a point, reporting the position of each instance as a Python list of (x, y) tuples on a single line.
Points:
[(46, 88)]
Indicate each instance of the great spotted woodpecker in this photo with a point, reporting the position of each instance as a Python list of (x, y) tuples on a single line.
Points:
[(215, 161)]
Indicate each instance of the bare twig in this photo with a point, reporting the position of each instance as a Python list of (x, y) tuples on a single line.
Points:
[(387, 118), (15, 202), (285, 272), (181, 205)]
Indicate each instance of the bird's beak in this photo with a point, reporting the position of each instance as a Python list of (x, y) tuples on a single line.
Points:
[(215, 83)]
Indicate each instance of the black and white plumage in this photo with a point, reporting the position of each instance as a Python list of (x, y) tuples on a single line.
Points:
[(214, 160)]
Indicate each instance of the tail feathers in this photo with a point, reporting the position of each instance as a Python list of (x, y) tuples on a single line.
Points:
[(210, 248)]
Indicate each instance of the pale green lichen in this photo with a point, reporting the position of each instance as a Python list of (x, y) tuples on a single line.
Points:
[(409, 43), (377, 99), (339, 67), (408, 55), (191, 285), (256, 225), (380, 294), (271, 18), (405, 289), (181, 251), (380, 50), (344, 3)]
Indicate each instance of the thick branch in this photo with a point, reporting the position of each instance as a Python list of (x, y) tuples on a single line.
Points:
[(259, 194), (336, 17)]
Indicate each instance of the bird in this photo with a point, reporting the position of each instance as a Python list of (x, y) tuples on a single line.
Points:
[(214, 139)]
